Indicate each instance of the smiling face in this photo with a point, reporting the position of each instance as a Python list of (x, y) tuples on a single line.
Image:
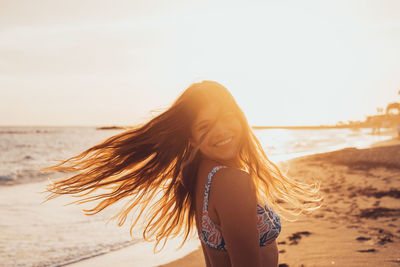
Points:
[(217, 133)]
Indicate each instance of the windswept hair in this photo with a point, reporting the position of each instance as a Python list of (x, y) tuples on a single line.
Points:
[(154, 166)]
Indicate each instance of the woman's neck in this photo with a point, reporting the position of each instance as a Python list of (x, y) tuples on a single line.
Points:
[(234, 163)]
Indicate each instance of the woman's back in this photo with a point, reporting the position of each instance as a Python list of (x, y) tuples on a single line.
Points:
[(227, 226)]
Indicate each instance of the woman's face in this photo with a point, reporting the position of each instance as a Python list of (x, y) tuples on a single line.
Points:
[(221, 131)]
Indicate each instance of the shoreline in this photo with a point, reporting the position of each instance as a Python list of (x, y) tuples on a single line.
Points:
[(341, 250), (62, 236)]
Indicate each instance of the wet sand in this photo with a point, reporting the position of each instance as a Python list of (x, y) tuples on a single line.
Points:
[(358, 224)]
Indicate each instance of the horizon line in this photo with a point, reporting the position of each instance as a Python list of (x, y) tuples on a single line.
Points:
[(258, 127)]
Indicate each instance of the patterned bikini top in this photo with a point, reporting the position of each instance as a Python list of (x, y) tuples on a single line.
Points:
[(268, 230)]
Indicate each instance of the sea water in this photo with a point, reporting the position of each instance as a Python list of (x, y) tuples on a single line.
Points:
[(24, 150), (33, 233)]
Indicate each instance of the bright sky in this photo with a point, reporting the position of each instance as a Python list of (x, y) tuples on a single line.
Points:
[(96, 62)]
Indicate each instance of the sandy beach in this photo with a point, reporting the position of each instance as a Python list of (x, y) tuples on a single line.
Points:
[(107, 108), (358, 224)]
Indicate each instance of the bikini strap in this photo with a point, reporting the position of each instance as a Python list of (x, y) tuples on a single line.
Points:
[(208, 185)]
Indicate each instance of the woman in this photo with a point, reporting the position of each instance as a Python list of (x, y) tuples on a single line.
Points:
[(197, 163)]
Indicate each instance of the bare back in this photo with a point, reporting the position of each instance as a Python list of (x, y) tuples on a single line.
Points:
[(214, 257)]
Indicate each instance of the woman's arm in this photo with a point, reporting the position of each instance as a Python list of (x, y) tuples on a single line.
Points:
[(207, 260), (235, 201)]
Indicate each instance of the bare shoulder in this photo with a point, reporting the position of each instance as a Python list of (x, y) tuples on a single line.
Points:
[(231, 175), (232, 182), (235, 204)]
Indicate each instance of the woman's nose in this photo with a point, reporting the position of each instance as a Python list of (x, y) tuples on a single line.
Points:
[(220, 130)]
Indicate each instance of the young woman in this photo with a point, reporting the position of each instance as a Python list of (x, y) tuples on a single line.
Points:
[(198, 165)]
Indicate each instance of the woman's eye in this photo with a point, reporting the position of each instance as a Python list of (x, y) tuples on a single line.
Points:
[(203, 127)]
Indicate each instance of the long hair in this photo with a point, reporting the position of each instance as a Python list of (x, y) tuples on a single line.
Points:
[(154, 166)]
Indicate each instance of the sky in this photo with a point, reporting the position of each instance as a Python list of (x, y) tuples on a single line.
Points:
[(97, 62)]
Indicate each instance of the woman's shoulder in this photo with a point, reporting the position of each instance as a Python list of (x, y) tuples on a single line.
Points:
[(226, 172), (228, 180), (233, 192)]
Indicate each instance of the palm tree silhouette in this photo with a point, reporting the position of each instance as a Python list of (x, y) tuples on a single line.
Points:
[(393, 107)]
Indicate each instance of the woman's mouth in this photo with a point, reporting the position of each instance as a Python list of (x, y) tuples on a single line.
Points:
[(224, 142)]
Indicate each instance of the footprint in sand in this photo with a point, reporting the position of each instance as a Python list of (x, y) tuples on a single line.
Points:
[(383, 236), (367, 250), (295, 237), (362, 238), (384, 240), (353, 226)]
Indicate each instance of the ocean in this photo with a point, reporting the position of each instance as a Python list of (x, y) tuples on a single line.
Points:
[(33, 233)]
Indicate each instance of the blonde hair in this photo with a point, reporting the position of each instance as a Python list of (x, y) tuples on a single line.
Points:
[(155, 167)]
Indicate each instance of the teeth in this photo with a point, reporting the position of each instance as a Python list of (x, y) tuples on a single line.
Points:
[(224, 142)]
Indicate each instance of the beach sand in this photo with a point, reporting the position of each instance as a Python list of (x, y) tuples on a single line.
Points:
[(358, 224)]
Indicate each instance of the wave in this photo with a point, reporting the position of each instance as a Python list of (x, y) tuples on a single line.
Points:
[(6, 178), (26, 132), (28, 176)]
